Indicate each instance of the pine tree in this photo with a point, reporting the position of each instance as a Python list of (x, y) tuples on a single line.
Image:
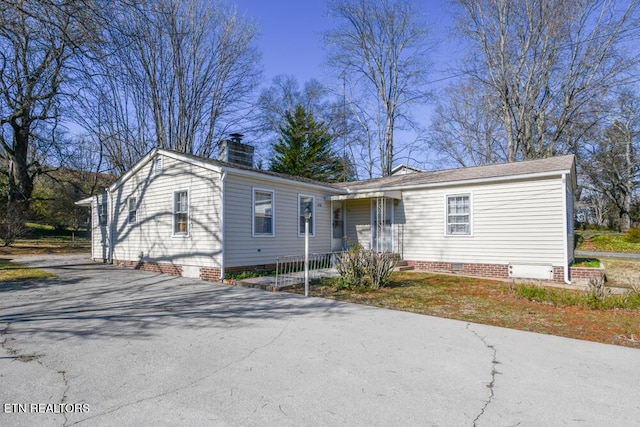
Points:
[(304, 149)]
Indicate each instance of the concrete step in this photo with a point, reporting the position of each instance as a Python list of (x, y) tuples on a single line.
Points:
[(403, 268)]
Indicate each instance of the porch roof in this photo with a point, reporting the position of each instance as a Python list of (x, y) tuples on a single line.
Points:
[(84, 202), (367, 195)]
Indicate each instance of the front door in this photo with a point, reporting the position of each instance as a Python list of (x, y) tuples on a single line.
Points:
[(338, 242), (382, 224)]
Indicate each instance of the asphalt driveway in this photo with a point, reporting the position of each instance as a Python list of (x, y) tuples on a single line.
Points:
[(103, 345)]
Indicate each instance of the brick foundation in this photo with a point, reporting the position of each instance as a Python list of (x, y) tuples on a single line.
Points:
[(243, 268), (499, 271), (584, 274), (153, 267), (211, 274), (577, 275)]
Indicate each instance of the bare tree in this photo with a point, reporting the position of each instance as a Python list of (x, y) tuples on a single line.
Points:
[(283, 96), (612, 164), (382, 48), (40, 42), (177, 75), (464, 126), (545, 61)]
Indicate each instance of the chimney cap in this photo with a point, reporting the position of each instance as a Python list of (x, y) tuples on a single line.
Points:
[(236, 137)]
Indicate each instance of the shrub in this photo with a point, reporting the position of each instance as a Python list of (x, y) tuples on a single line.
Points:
[(541, 294), (379, 266), (633, 235), (634, 284), (597, 293), (364, 269), (597, 296), (350, 267), (12, 223)]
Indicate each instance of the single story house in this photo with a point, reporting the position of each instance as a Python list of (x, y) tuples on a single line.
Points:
[(197, 217)]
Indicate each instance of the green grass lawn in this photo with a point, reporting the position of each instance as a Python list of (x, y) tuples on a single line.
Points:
[(45, 239), (606, 242), (10, 271)]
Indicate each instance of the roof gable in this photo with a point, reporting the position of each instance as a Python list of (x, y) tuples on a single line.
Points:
[(219, 166)]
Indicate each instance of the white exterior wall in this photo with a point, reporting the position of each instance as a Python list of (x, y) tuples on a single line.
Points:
[(358, 221), (241, 248), (152, 233), (99, 233), (512, 222)]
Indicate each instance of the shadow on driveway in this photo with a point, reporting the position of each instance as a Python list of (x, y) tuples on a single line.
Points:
[(95, 300)]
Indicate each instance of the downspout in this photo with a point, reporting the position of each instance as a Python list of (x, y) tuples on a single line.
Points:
[(222, 231), (331, 225), (110, 226), (565, 227)]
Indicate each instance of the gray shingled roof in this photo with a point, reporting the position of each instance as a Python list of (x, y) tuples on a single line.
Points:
[(220, 163), (552, 164)]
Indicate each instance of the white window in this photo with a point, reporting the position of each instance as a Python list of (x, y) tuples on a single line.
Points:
[(102, 214), (133, 210), (262, 212), (304, 203), (181, 213), (459, 214)]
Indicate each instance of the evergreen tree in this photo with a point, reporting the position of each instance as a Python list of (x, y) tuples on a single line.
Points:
[(304, 149)]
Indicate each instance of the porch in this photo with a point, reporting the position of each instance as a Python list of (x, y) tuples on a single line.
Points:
[(372, 220)]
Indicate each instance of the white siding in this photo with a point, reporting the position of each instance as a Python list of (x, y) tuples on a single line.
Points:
[(242, 249), (512, 222), (358, 220), (99, 232), (152, 234)]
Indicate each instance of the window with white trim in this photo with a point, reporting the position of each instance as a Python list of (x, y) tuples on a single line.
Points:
[(304, 203), (181, 213), (458, 215), (133, 210), (262, 212)]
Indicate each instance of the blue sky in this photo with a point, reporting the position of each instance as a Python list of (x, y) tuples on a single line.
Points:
[(291, 43), (290, 39), (291, 35)]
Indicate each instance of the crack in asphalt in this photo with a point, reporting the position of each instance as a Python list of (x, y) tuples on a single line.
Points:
[(64, 394), (25, 358), (192, 383), (494, 372), (14, 352)]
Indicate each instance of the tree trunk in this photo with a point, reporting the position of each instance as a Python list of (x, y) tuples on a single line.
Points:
[(20, 181)]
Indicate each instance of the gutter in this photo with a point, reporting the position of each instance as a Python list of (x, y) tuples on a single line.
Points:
[(456, 183), (222, 231), (567, 280)]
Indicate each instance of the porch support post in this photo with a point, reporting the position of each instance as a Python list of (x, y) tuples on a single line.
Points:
[(307, 217)]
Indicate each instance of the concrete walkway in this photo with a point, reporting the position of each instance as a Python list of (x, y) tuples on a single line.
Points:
[(111, 346), (595, 254)]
